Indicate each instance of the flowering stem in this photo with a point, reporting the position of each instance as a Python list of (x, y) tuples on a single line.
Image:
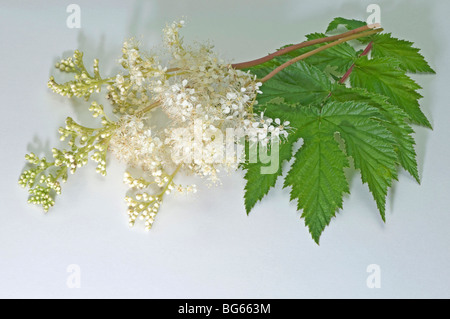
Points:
[(148, 108), (248, 64), (169, 182), (172, 70), (322, 48)]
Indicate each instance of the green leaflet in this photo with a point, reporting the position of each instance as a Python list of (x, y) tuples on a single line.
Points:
[(409, 58), (349, 24), (258, 185), (383, 76), (300, 83), (394, 119), (370, 145), (317, 178)]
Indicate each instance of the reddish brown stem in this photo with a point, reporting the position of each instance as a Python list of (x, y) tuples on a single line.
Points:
[(324, 47), (349, 71), (269, 57)]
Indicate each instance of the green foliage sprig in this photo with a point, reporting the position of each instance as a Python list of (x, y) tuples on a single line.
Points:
[(345, 106)]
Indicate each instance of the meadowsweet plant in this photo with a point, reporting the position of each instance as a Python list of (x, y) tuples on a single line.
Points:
[(346, 94)]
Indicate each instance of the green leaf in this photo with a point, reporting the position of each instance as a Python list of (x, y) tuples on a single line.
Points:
[(349, 24), (258, 184), (368, 142), (317, 176), (298, 83), (383, 76), (384, 45), (394, 119)]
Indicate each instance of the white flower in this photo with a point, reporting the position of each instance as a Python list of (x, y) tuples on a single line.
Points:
[(199, 87)]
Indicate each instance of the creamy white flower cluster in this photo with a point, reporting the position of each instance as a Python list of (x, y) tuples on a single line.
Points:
[(201, 109), (207, 91), (131, 91), (209, 111), (134, 144)]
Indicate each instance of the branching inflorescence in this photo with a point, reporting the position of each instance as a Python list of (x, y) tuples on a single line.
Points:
[(215, 117), (195, 89)]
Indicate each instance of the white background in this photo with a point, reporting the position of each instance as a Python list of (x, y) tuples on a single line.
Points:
[(204, 246)]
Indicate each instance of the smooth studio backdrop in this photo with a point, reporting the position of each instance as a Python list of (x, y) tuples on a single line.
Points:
[(204, 246)]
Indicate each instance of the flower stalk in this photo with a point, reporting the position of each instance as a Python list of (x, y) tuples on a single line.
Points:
[(315, 51), (249, 64)]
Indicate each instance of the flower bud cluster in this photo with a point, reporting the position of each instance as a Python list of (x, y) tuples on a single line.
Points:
[(42, 187), (43, 178), (84, 84)]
